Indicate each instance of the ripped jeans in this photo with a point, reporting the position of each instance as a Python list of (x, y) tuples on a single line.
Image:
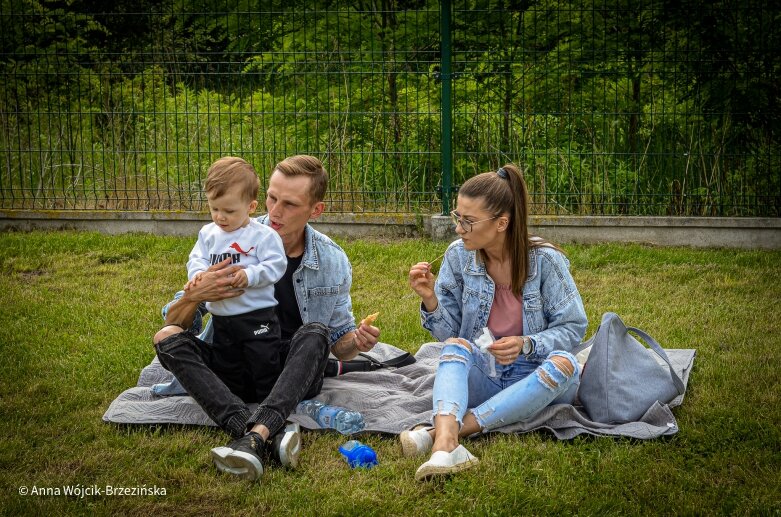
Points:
[(518, 392)]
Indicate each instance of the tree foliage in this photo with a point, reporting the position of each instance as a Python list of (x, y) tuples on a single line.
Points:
[(613, 107)]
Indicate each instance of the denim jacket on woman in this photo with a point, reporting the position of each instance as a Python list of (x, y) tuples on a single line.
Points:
[(322, 285), (553, 313)]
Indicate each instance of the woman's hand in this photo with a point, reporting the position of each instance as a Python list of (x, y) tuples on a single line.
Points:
[(421, 280), (507, 349)]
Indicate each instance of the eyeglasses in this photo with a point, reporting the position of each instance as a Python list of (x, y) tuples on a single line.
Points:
[(467, 225)]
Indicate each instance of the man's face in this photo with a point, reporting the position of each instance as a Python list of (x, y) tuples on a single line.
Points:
[(289, 206)]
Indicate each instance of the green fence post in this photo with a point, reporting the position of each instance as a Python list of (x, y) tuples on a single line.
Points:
[(446, 150)]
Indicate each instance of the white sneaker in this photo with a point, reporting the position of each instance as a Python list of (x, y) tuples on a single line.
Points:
[(443, 463), (286, 445), (416, 442)]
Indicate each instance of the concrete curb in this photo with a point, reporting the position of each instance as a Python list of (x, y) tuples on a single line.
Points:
[(188, 223), (699, 232), (719, 232)]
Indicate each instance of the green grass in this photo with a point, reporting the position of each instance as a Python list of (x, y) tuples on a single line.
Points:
[(77, 312)]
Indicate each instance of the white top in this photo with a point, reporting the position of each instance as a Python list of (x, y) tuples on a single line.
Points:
[(255, 247)]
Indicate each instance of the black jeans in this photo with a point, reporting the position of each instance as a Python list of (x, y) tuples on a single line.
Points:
[(223, 391)]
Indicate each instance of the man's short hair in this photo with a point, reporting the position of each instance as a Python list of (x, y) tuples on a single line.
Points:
[(305, 165), (229, 171)]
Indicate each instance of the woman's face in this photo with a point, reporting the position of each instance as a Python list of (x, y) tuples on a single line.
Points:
[(486, 231)]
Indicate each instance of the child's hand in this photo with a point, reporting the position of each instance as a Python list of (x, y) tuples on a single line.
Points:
[(193, 282), (240, 280)]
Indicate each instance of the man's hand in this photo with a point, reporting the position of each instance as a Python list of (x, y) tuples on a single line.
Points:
[(215, 284), (362, 339), (366, 336)]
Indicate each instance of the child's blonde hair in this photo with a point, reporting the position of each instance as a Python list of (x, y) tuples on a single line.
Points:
[(228, 172)]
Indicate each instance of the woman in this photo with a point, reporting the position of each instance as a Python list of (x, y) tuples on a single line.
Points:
[(520, 288)]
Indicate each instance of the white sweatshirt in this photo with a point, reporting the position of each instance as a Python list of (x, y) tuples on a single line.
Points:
[(255, 247)]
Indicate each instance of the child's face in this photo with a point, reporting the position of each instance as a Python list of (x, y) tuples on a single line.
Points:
[(231, 210)]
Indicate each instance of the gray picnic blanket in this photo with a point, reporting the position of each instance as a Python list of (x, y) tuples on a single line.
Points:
[(394, 400)]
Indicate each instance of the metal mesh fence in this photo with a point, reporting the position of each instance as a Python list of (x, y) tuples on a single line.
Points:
[(655, 108), (641, 108)]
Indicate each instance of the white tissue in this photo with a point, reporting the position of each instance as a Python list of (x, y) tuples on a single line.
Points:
[(483, 341)]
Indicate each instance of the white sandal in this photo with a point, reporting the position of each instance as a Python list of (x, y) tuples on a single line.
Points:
[(416, 442), (443, 463)]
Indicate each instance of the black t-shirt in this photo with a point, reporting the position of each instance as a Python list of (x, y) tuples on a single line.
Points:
[(288, 312)]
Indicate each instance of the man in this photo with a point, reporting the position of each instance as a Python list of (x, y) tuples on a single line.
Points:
[(315, 316)]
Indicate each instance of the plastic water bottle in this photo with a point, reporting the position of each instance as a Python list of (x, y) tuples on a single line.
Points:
[(332, 417), (358, 454)]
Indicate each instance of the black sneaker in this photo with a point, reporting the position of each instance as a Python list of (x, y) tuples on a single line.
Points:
[(241, 457), (285, 447)]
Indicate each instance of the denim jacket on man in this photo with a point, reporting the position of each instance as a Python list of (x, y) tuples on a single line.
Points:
[(322, 285), (553, 313)]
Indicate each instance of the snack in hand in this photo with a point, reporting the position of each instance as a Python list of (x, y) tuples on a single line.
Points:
[(369, 320)]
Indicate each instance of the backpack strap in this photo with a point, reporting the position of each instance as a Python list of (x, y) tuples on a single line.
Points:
[(335, 367), (656, 347)]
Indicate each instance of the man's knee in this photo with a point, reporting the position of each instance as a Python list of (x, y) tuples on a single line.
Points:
[(312, 328), (167, 331), (311, 336)]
